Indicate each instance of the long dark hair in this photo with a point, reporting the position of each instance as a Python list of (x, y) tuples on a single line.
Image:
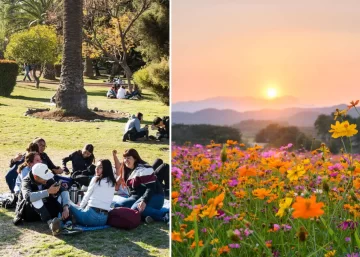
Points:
[(29, 158), (32, 147), (133, 153), (107, 172)]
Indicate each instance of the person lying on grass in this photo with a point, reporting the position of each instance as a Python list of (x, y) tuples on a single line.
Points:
[(94, 207), (12, 174), (41, 198), (145, 191)]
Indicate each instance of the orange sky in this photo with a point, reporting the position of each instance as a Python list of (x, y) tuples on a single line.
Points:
[(238, 47)]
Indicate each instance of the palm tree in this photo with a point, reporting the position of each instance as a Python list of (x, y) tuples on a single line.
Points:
[(71, 95), (25, 13)]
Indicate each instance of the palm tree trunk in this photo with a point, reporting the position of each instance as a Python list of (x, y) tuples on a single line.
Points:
[(71, 94), (49, 71), (88, 69)]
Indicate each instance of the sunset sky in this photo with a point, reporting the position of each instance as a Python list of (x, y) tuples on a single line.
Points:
[(307, 49)]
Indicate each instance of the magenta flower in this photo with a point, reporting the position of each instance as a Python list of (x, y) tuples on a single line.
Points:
[(234, 245), (349, 224), (347, 239)]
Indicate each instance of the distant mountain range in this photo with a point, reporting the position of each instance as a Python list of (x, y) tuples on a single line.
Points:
[(238, 103), (304, 117)]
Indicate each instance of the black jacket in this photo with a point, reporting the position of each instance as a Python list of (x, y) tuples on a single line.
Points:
[(166, 129), (46, 160), (78, 161)]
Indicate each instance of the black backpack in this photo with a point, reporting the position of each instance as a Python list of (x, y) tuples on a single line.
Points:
[(83, 177)]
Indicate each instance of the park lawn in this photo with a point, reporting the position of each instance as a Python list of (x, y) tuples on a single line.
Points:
[(63, 138)]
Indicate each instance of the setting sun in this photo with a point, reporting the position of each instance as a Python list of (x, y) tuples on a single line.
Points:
[(271, 93)]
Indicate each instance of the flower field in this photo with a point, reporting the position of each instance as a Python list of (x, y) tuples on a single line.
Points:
[(248, 201)]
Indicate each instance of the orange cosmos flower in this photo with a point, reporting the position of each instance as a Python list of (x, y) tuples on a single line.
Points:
[(175, 236), (174, 194), (247, 171), (353, 104), (212, 187), (261, 193), (190, 234), (213, 204), (224, 249), (307, 208), (193, 245), (356, 183)]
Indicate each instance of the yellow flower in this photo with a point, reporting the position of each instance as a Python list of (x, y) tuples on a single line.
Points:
[(343, 129), (214, 241), (330, 253), (295, 174), (339, 113), (284, 204)]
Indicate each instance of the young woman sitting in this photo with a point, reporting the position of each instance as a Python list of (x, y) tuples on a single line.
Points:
[(93, 209), (30, 160), (145, 191), (44, 157), (81, 159), (12, 174)]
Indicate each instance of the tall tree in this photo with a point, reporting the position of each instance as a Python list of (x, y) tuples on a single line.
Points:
[(35, 46), (71, 95), (110, 28)]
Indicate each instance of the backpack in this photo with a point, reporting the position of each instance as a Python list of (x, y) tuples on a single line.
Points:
[(124, 218), (8, 200), (83, 177)]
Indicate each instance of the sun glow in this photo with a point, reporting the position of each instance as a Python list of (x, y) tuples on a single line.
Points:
[(271, 93)]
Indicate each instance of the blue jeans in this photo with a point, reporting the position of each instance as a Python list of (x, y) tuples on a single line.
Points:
[(10, 177), (88, 216), (152, 208)]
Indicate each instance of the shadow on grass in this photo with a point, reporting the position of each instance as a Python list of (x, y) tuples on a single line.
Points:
[(115, 242), (35, 99), (32, 87), (9, 234), (97, 93), (3, 104)]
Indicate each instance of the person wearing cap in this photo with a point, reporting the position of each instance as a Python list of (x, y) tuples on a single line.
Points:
[(42, 199), (133, 130), (81, 159), (163, 125)]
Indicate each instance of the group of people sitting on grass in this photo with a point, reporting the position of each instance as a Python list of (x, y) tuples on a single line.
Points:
[(133, 130), (44, 195), (120, 92)]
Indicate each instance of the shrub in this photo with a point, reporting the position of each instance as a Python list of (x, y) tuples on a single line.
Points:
[(8, 73), (156, 77)]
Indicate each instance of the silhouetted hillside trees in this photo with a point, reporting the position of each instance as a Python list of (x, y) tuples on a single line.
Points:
[(276, 135), (203, 134)]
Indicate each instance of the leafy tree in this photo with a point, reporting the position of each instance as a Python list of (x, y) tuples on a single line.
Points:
[(71, 95), (153, 31), (156, 77), (36, 46), (203, 134), (22, 14), (322, 125), (110, 28)]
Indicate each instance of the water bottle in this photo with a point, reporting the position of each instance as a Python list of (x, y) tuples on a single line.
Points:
[(79, 199), (73, 193)]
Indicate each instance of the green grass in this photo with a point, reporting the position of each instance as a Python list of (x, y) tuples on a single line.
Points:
[(63, 138)]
